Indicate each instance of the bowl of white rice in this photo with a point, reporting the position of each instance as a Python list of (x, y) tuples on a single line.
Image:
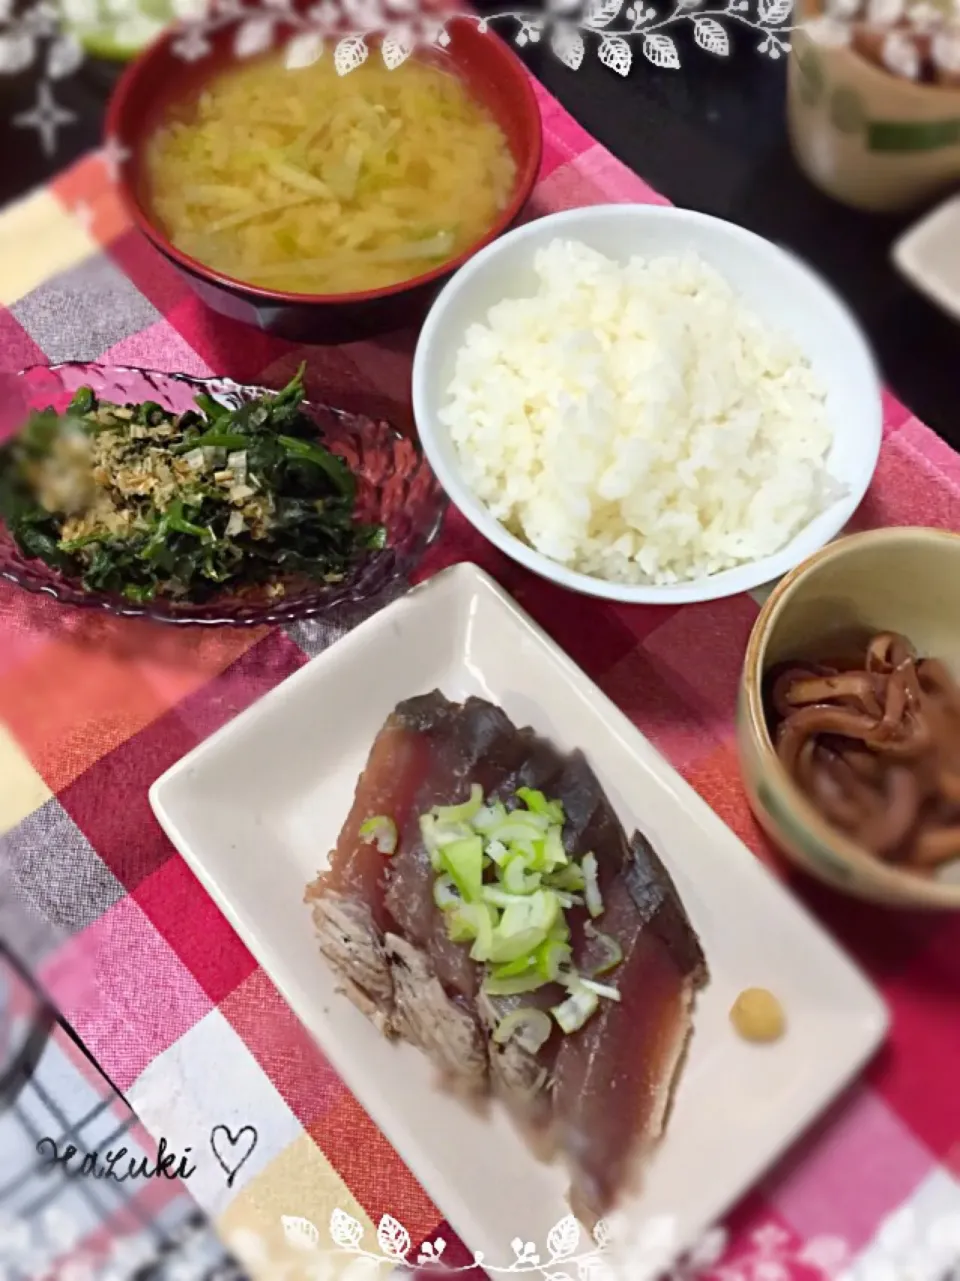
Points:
[(647, 404)]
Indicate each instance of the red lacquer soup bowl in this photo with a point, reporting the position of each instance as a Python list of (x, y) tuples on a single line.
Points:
[(161, 77)]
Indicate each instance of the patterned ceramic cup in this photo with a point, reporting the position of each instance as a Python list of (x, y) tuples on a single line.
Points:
[(865, 137), (901, 580)]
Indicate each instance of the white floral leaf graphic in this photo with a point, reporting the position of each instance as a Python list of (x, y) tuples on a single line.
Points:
[(708, 1250), (64, 56), (345, 1231), (563, 1238), (393, 1238), (16, 52), (303, 50), (351, 52), (660, 50), (568, 47), (395, 50), (191, 46), (775, 12), (710, 36), (826, 1253), (300, 1232), (601, 1234), (600, 13), (253, 37), (615, 53)]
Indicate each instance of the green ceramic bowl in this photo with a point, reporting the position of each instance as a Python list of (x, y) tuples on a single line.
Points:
[(902, 580)]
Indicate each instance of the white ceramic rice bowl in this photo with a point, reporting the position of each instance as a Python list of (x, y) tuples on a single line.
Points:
[(775, 285)]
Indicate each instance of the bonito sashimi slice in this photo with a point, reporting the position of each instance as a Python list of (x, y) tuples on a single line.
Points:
[(347, 900), (597, 1090), (614, 1080), (472, 743)]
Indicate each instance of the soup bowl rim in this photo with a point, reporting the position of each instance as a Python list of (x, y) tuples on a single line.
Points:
[(528, 168)]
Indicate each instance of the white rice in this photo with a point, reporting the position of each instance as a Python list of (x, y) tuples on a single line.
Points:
[(639, 423)]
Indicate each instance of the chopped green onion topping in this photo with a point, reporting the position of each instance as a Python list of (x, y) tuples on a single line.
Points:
[(380, 831), (463, 860), (471, 923), (495, 986), (490, 816), (517, 879), (461, 813), (592, 885), (498, 852), (554, 855), (497, 896), (579, 1006), (436, 835), (482, 949), (445, 893), (537, 803), (600, 989), (554, 957), (530, 1028), (519, 827), (569, 878), (610, 951), (504, 881), (524, 965)]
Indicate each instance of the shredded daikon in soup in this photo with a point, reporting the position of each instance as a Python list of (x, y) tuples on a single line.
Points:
[(306, 181)]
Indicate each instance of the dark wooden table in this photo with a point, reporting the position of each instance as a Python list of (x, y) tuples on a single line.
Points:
[(710, 136)]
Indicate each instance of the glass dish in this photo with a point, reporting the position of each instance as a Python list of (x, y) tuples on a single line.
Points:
[(395, 488)]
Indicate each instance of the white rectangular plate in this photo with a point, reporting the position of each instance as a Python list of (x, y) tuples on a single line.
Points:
[(256, 807)]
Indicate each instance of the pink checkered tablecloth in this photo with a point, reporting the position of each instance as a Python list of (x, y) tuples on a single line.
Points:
[(92, 710)]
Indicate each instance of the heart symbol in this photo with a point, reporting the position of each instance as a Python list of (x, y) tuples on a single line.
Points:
[(237, 1148)]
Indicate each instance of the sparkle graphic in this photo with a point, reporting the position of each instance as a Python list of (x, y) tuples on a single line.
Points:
[(46, 117), (114, 153)]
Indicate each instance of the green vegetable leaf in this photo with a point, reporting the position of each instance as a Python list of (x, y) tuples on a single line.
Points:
[(335, 467), (83, 402), (294, 517)]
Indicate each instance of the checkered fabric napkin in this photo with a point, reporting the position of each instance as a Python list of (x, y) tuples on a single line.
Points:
[(153, 978), (54, 1223)]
